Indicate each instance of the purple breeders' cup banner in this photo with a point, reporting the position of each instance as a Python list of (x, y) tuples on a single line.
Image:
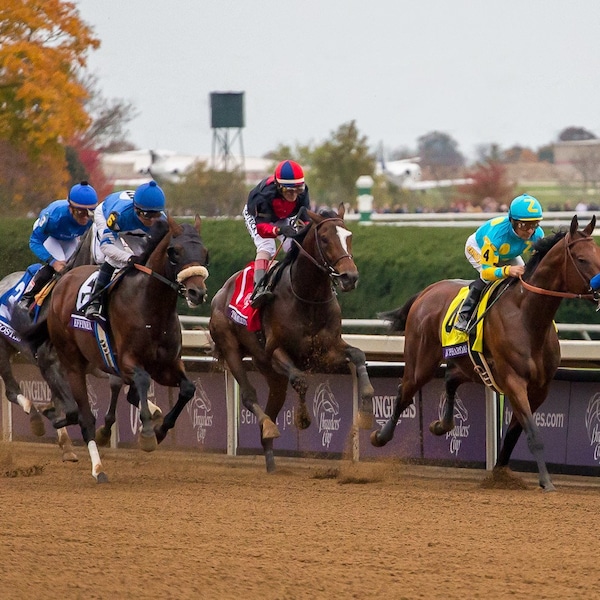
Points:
[(552, 419), (202, 424), (583, 441), (34, 387), (329, 406), (466, 442), (406, 442)]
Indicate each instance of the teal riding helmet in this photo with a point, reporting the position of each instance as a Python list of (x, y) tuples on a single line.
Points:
[(525, 208)]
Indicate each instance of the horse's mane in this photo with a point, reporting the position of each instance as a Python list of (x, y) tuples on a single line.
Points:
[(294, 251), (541, 248), (157, 233)]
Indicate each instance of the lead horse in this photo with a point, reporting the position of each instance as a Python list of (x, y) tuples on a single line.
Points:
[(520, 340), (301, 327), (143, 325)]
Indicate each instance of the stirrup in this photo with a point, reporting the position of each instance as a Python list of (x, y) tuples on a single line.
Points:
[(93, 312), (463, 325), (261, 298)]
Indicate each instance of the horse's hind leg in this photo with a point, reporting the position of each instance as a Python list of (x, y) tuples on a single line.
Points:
[(446, 423), (103, 433), (277, 388), (66, 446)]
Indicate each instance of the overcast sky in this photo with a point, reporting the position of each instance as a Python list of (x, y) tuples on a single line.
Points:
[(508, 72)]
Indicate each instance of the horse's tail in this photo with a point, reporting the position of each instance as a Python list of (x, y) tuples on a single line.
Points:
[(397, 317), (33, 334)]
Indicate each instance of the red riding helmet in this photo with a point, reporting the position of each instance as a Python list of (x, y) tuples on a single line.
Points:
[(289, 174)]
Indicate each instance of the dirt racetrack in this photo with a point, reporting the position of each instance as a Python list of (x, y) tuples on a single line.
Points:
[(182, 525)]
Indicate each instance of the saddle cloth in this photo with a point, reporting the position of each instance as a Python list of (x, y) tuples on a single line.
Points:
[(8, 299), (239, 309), (457, 343)]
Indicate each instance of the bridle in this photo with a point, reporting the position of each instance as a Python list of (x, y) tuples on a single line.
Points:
[(569, 243), (325, 265)]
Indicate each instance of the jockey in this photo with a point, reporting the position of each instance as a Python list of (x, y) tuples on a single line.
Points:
[(121, 212), (268, 212), (497, 247), (56, 233)]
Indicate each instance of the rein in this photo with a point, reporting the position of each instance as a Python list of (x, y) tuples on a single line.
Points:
[(181, 277), (557, 294)]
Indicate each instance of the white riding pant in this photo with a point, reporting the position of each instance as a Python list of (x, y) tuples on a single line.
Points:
[(61, 249), (266, 245)]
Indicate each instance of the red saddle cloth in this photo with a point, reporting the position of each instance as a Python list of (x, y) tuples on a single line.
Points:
[(239, 309)]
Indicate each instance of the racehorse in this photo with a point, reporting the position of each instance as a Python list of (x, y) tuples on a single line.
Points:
[(12, 344), (520, 340), (301, 327), (142, 323)]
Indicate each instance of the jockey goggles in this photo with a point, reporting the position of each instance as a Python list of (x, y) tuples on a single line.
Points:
[(527, 225), (295, 190), (81, 212), (148, 214)]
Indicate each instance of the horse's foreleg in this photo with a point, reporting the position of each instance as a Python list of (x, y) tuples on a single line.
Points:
[(365, 388), (283, 365), (522, 411), (187, 389), (141, 381)]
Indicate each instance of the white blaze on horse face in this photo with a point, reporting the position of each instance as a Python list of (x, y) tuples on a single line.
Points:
[(343, 234)]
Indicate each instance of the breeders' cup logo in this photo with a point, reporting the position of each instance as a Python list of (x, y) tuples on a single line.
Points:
[(325, 411), (592, 424), (461, 429), (200, 411), (135, 422)]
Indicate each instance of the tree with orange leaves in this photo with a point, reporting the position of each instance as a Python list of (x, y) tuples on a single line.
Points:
[(43, 52)]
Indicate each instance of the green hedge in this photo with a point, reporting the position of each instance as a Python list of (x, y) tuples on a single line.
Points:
[(394, 263)]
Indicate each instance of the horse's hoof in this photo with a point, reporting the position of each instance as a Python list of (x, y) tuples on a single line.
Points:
[(549, 487), (102, 438), (269, 430), (148, 443), (376, 439), (69, 457), (365, 420), (36, 423), (436, 428), (102, 477)]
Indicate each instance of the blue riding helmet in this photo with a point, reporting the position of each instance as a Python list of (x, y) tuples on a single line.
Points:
[(289, 174), (83, 195), (149, 196), (525, 208)]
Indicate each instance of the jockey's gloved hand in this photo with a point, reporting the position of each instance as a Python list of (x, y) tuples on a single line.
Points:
[(134, 260), (287, 231)]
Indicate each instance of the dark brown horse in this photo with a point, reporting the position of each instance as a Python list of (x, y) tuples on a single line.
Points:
[(145, 334), (520, 341), (301, 327)]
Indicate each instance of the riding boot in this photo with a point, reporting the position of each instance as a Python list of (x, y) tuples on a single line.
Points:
[(261, 294), (39, 280), (94, 308), (468, 306)]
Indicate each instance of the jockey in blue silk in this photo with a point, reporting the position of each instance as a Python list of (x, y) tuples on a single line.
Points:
[(121, 212), (56, 234), (268, 213), (497, 249)]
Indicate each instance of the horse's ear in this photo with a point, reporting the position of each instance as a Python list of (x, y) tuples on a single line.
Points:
[(198, 223), (590, 226), (574, 226), (341, 210)]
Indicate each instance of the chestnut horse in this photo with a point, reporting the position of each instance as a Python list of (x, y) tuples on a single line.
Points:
[(520, 340), (301, 326), (143, 326)]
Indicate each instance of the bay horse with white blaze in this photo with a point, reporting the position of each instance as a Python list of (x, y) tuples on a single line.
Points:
[(143, 325), (301, 327), (520, 340)]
